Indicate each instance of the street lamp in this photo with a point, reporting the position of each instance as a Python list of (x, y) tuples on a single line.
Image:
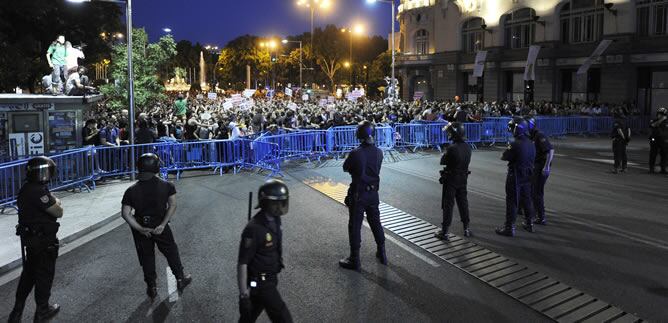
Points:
[(301, 56), (213, 50), (131, 84), (167, 30), (359, 30), (393, 84), (314, 4)]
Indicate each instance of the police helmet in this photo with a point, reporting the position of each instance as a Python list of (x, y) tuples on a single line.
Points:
[(531, 121), (518, 126), (662, 111), (274, 192), (40, 169), (148, 163), (456, 131), (365, 132)]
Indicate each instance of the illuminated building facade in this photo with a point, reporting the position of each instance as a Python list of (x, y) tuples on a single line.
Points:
[(439, 40)]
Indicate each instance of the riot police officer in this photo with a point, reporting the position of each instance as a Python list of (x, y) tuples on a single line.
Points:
[(261, 256), (541, 169), (37, 228), (363, 164), (454, 177), (621, 136), (520, 157), (154, 203), (658, 140)]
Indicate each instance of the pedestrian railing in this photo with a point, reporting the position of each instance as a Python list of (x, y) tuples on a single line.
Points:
[(81, 167)]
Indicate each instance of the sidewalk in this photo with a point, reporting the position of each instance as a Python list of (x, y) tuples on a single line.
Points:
[(84, 212)]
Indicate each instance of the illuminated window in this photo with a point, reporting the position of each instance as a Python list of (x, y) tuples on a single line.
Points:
[(651, 17), (421, 42), (520, 28), (582, 21), (473, 35)]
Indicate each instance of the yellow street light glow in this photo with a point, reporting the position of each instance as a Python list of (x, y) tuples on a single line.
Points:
[(343, 30), (119, 35), (359, 29), (346, 64), (284, 41)]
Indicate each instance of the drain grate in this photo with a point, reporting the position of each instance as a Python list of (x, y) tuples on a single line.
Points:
[(546, 295)]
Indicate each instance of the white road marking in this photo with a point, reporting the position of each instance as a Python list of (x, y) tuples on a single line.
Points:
[(603, 227)]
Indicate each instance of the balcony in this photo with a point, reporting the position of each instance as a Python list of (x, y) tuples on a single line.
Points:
[(415, 4)]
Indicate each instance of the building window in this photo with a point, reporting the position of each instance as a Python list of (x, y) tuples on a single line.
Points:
[(520, 28), (421, 42), (473, 35), (651, 17), (582, 21)]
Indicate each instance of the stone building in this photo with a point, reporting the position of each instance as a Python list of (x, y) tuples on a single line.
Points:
[(439, 40)]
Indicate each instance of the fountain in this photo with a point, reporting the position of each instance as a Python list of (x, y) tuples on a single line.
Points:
[(202, 71)]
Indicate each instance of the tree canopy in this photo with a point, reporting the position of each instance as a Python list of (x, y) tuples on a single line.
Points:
[(147, 60)]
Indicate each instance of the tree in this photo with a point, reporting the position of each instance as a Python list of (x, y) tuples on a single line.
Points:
[(329, 50), (28, 27), (147, 60), (242, 51), (381, 67)]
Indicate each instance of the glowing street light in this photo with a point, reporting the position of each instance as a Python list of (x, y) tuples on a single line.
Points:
[(313, 5), (167, 30), (346, 64), (358, 29), (301, 65)]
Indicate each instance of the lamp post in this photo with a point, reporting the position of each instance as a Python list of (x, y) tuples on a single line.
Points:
[(393, 84), (358, 29), (131, 85), (301, 57), (213, 50)]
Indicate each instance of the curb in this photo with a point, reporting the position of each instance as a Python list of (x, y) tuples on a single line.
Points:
[(63, 241)]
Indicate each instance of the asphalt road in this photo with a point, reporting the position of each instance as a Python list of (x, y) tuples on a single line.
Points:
[(606, 234), (101, 280)]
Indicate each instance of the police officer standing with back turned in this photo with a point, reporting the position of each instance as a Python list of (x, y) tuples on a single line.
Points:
[(520, 157), (454, 177), (154, 203), (541, 169), (37, 228), (658, 140), (621, 136), (261, 256), (363, 164)]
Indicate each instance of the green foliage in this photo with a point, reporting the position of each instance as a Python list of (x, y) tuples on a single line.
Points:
[(242, 51), (147, 60)]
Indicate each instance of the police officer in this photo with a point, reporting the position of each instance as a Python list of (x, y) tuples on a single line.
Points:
[(37, 228), (541, 169), (154, 203), (520, 157), (658, 140), (454, 178), (621, 135), (363, 164), (261, 256)]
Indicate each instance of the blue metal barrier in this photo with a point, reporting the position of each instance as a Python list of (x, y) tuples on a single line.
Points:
[(411, 136), (299, 145), (600, 125), (577, 125), (495, 130), (552, 126)]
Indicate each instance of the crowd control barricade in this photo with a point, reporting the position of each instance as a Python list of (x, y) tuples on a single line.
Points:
[(384, 137), (578, 125), (601, 125), (638, 123), (260, 154), (411, 136), (299, 145), (342, 139), (473, 133), (75, 168), (552, 126), (495, 130), (12, 176)]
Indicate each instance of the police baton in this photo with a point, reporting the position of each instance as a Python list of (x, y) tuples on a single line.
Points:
[(250, 205)]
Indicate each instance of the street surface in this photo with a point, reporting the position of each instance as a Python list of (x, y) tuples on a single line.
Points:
[(606, 237)]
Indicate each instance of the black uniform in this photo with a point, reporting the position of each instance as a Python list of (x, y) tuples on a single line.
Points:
[(543, 147), (619, 143), (364, 164), (520, 157), (149, 200), (38, 232), (261, 250), (456, 160), (658, 144)]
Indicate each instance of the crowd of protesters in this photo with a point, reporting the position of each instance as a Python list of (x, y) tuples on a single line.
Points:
[(185, 118)]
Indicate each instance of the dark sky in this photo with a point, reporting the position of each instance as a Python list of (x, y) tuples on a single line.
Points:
[(218, 21)]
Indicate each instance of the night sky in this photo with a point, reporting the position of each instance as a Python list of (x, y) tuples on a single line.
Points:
[(216, 22)]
